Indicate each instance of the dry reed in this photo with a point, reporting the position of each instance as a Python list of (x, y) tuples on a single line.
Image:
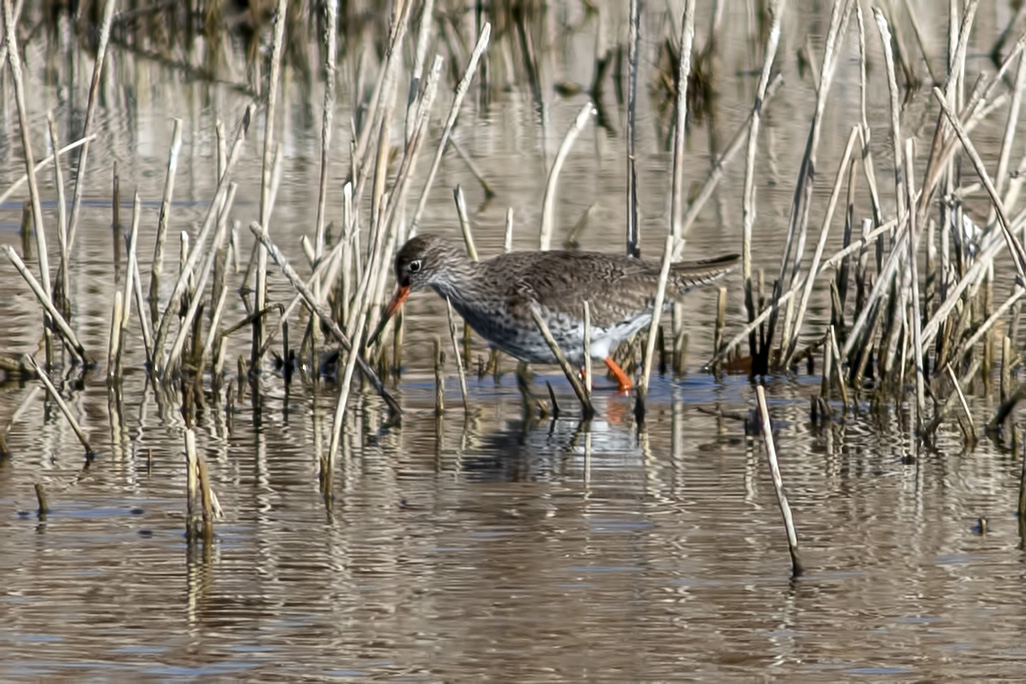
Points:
[(61, 404), (778, 485), (583, 396), (549, 198)]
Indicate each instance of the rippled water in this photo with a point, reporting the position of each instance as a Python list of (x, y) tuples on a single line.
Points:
[(483, 545)]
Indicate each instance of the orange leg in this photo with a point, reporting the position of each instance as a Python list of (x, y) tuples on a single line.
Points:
[(625, 382)]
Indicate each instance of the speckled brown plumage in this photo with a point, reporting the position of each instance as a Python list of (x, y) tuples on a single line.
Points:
[(495, 296)]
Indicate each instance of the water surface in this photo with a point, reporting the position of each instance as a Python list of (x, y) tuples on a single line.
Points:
[(485, 544)]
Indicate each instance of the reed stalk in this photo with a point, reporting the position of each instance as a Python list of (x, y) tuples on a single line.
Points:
[(939, 163), (325, 271), (62, 325), (423, 37), (587, 349), (115, 222), (339, 418), (687, 40), (549, 199), (917, 316), (660, 297), (385, 85), (461, 212), (778, 484), (267, 175), (486, 187), (1014, 246), (920, 40), (43, 506), (375, 273), (764, 315), (868, 167), (383, 220), (1020, 507), (3, 43), (14, 61), (723, 160), (458, 356), (222, 149), (454, 111), (991, 320), (218, 297), (327, 119), (323, 313), (201, 501), (555, 411), (133, 268), (941, 411), (1006, 368), (828, 370), (802, 198), (962, 403), (721, 321), (582, 396), (62, 222), (468, 238), (893, 325), (173, 357), (824, 231), (26, 401), (883, 283), (633, 45), (114, 343), (972, 277), (748, 207), (439, 377), (838, 363), (31, 364), (209, 221), (42, 165), (94, 91), (157, 266), (507, 236), (184, 270)]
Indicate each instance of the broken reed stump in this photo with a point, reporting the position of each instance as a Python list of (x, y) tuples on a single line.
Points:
[(44, 505)]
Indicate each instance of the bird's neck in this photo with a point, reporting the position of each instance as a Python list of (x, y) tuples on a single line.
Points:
[(458, 282)]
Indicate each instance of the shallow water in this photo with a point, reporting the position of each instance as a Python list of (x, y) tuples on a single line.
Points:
[(480, 544)]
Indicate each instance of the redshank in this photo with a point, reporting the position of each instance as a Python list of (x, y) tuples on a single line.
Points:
[(495, 296)]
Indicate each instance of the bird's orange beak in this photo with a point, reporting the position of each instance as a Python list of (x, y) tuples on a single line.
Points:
[(401, 293)]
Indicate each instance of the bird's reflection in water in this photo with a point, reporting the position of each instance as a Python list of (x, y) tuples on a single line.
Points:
[(496, 443), (532, 450)]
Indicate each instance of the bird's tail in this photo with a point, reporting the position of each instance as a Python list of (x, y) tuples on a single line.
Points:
[(688, 275)]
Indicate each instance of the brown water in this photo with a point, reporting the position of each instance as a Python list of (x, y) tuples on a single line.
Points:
[(485, 546)]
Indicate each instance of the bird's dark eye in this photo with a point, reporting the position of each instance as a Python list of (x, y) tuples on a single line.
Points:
[(415, 266)]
